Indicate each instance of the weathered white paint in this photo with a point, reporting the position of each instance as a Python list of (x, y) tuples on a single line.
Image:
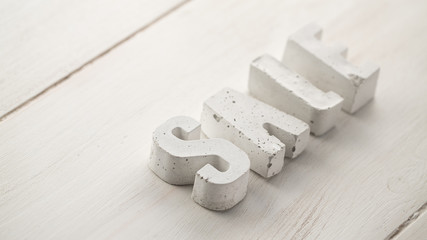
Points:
[(218, 169), (327, 68), (273, 83), (74, 161), (266, 134), (43, 42)]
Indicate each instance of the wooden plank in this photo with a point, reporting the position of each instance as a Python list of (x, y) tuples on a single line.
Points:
[(74, 161), (43, 42)]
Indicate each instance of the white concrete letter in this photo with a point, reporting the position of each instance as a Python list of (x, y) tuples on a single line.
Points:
[(273, 83), (327, 68), (266, 134), (218, 169)]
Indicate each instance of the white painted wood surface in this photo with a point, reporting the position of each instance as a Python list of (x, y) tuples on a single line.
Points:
[(43, 42), (73, 162)]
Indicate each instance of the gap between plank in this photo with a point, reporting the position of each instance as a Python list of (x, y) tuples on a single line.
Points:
[(411, 219), (92, 60)]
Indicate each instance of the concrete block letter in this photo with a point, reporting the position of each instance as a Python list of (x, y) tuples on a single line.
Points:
[(327, 68), (266, 134), (273, 83), (218, 169)]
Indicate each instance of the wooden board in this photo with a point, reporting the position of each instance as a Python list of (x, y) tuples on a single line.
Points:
[(73, 163), (43, 42)]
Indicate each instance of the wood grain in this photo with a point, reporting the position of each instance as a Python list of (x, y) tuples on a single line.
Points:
[(43, 42), (73, 163)]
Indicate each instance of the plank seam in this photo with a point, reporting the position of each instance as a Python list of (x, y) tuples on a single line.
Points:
[(92, 60), (411, 219)]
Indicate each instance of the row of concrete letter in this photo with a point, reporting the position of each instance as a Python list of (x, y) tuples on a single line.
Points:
[(304, 93)]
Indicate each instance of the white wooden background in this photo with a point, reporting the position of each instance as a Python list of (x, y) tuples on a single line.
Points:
[(84, 84)]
